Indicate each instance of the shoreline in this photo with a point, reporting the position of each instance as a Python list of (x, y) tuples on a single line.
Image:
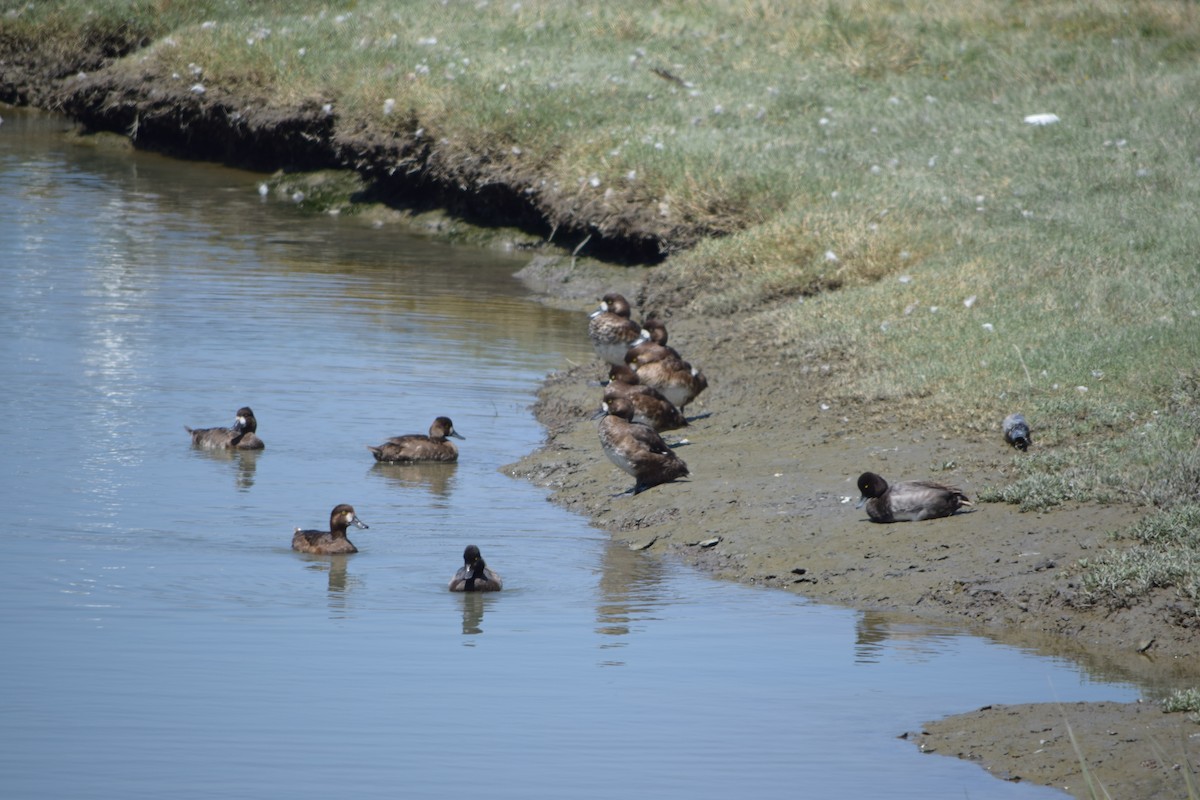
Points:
[(772, 480), (771, 473)]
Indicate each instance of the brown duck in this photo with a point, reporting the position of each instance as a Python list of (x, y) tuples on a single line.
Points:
[(649, 407), (333, 541), (611, 330), (419, 447), (637, 449)]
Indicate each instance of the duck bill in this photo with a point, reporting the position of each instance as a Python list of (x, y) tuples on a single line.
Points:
[(358, 523), (457, 435), (862, 501)]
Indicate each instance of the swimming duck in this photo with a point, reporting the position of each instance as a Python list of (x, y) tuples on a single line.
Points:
[(333, 541), (649, 407), (242, 435), (1016, 431), (674, 378), (637, 449), (908, 501), (418, 447), (611, 330), (475, 575)]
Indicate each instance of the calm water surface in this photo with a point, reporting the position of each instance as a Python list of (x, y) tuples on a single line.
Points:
[(161, 639)]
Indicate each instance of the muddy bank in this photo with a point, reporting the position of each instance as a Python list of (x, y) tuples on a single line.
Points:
[(771, 501), (1132, 750), (402, 165)]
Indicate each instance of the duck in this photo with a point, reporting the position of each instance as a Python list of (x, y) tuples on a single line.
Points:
[(1016, 431), (611, 330), (908, 501), (674, 378), (649, 407), (243, 435), (332, 542), (475, 575), (419, 447), (637, 449), (655, 348)]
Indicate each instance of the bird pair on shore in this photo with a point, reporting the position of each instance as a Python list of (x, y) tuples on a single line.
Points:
[(473, 576), (917, 500)]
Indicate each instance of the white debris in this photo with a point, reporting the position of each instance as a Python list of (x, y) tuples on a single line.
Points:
[(1041, 119)]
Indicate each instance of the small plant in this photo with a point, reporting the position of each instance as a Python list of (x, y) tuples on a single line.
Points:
[(1184, 700)]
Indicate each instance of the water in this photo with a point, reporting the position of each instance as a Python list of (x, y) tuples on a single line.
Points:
[(162, 639)]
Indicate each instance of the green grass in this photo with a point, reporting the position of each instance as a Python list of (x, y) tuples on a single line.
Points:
[(1165, 552), (981, 265)]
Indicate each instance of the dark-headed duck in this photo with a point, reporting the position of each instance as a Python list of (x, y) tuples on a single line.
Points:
[(637, 449), (1016, 431), (242, 435), (649, 407), (418, 447), (611, 330), (475, 575), (908, 501), (332, 542)]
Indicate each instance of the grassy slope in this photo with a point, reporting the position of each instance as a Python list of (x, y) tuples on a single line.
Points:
[(984, 264)]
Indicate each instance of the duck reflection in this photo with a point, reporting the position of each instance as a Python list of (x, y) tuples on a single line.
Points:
[(436, 478), (242, 463), (630, 592), (339, 582), (877, 632), (474, 604)]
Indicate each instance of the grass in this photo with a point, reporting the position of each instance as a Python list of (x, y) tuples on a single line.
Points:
[(1165, 553), (981, 264), (1183, 700)]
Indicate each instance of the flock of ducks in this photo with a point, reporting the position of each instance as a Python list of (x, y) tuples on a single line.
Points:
[(473, 576), (648, 388), (650, 384)]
